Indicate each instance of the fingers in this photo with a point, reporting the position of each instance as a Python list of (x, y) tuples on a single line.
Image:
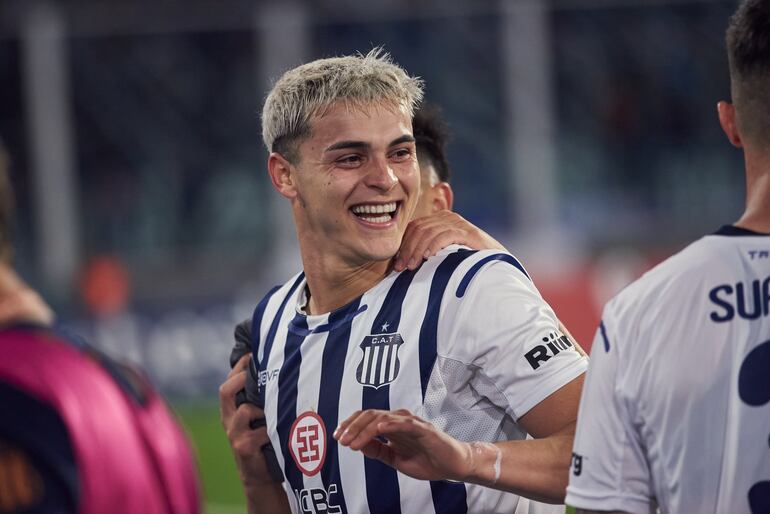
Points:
[(236, 380), (381, 451), (360, 430), (426, 236), (227, 393), (241, 365), (243, 424), (344, 425), (414, 244)]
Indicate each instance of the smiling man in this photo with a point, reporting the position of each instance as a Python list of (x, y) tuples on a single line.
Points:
[(345, 351)]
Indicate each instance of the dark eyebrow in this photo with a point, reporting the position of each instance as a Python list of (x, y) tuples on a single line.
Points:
[(406, 138), (347, 144)]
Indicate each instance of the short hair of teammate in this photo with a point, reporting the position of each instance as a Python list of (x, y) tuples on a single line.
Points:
[(748, 50), (311, 89), (431, 134)]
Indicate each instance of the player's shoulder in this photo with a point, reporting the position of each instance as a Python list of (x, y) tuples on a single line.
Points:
[(467, 265), (677, 276)]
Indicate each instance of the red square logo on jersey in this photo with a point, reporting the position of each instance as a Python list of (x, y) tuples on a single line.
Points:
[(307, 443)]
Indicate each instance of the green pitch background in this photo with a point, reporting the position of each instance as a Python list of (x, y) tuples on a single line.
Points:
[(221, 487)]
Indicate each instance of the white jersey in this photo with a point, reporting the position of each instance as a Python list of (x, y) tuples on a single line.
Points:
[(676, 406), (465, 341)]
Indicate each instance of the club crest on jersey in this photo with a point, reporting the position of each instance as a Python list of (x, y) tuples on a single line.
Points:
[(307, 443), (379, 364)]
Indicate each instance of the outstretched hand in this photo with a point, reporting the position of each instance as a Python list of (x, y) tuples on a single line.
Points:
[(426, 236), (408, 443)]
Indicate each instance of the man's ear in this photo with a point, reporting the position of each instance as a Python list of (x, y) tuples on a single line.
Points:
[(727, 119), (443, 197), (282, 175)]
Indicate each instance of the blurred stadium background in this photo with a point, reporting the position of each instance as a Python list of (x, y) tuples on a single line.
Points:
[(585, 137)]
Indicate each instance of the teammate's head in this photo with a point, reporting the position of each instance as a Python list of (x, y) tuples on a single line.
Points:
[(431, 135), (6, 207), (311, 89), (748, 49)]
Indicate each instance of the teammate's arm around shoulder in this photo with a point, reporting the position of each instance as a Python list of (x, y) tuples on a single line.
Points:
[(263, 494)]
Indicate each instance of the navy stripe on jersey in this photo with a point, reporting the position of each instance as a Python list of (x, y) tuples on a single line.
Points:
[(273, 326), (288, 378), (332, 368), (604, 336), (254, 392), (510, 259), (382, 490), (429, 329), (448, 497), (256, 322), (335, 320)]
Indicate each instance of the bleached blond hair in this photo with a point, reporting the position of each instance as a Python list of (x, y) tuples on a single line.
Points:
[(311, 89)]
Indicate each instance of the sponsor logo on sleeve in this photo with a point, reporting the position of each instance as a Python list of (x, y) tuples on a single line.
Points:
[(553, 344), (307, 443), (379, 364), (577, 464), (267, 376)]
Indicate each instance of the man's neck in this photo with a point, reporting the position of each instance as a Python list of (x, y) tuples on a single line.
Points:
[(757, 214), (333, 286)]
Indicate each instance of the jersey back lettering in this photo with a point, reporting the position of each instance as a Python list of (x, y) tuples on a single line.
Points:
[(675, 405)]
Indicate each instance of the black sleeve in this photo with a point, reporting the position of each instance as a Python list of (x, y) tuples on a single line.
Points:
[(242, 341), (38, 473)]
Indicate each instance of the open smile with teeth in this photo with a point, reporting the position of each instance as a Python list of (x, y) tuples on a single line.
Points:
[(375, 213)]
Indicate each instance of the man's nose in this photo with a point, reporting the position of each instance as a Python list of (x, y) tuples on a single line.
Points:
[(381, 175)]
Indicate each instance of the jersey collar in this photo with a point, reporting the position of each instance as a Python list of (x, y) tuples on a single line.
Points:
[(732, 230)]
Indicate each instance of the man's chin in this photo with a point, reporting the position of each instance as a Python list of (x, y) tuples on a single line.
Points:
[(379, 252)]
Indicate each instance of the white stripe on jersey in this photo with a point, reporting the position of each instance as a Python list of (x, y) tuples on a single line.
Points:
[(404, 365), (276, 361)]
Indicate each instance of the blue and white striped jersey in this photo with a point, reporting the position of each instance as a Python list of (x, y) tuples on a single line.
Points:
[(465, 341)]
